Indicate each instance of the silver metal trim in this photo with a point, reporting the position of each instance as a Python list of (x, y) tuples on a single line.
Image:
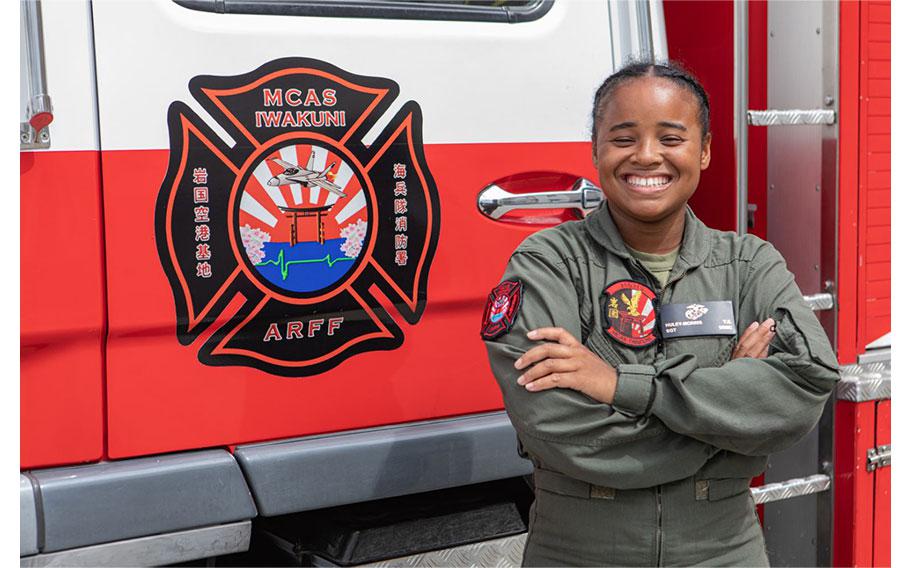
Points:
[(494, 201), (28, 518), (790, 117), (39, 100), (819, 302), (740, 108), (500, 552), (791, 488), (865, 381), (327, 470), (874, 356), (92, 504), (658, 31), (878, 457), (155, 550)]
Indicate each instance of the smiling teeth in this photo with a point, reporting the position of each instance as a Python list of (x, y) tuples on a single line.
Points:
[(648, 181)]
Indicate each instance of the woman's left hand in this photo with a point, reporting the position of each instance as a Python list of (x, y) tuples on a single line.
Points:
[(563, 362)]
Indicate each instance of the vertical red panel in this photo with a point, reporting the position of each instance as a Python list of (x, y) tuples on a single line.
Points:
[(874, 291), (758, 99), (848, 170), (62, 309), (853, 485), (881, 553), (700, 36)]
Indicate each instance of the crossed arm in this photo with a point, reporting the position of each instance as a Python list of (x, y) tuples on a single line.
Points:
[(563, 362)]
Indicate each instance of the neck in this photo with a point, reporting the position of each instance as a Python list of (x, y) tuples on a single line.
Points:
[(657, 237)]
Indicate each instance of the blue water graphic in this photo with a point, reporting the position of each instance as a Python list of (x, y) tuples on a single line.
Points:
[(305, 267)]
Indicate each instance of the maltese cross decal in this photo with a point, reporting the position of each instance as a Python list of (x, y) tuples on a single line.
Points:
[(277, 245)]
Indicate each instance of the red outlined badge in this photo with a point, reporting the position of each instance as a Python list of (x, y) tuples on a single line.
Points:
[(298, 218), (502, 309), (628, 313)]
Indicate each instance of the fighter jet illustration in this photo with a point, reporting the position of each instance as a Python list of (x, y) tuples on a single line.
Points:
[(305, 176)]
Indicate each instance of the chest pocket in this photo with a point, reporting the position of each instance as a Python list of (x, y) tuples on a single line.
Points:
[(710, 351)]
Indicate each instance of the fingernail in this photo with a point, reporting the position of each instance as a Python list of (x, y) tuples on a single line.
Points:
[(518, 363), (768, 322), (753, 325), (532, 334), (530, 386), (521, 380)]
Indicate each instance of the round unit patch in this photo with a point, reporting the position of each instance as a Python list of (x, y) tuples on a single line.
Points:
[(629, 315)]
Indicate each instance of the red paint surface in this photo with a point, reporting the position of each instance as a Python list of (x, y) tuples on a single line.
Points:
[(874, 290), (758, 99), (853, 485), (62, 309), (162, 399), (848, 172), (881, 544), (700, 36)]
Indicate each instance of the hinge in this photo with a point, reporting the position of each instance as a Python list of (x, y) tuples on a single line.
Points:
[(878, 457)]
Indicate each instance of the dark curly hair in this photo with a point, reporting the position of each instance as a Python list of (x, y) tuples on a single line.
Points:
[(668, 70)]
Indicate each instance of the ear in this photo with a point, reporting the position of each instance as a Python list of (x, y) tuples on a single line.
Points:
[(706, 152)]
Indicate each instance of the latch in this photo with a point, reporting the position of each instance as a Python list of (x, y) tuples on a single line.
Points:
[(878, 457)]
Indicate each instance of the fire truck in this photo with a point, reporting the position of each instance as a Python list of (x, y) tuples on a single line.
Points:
[(276, 225)]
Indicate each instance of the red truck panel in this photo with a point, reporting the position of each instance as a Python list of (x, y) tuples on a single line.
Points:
[(165, 400), (701, 38), (881, 545), (874, 318), (853, 485), (62, 309)]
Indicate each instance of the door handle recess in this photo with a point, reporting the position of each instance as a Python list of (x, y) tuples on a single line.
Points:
[(494, 201)]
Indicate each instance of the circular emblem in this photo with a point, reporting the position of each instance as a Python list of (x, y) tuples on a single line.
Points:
[(283, 241), (303, 218), (629, 316)]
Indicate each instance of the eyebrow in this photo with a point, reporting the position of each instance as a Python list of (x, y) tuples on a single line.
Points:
[(663, 123)]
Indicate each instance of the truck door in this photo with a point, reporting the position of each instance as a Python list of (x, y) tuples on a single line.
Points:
[(293, 238)]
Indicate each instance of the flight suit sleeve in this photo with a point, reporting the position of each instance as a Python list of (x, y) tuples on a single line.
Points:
[(562, 427), (748, 406)]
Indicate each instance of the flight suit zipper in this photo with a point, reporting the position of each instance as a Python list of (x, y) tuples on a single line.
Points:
[(659, 529)]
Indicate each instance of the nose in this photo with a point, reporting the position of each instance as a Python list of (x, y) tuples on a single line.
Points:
[(648, 153), (273, 182)]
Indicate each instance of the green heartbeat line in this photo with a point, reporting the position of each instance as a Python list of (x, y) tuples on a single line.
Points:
[(284, 265)]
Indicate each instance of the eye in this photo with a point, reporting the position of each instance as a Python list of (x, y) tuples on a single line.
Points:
[(623, 141), (671, 140)]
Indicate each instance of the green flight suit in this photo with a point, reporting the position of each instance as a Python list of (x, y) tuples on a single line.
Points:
[(661, 476)]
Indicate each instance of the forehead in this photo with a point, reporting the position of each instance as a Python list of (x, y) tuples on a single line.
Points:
[(648, 100)]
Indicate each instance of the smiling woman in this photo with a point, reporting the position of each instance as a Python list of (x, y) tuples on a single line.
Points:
[(648, 363)]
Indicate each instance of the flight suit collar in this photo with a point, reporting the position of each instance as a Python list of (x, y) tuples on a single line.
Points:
[(692, 252)]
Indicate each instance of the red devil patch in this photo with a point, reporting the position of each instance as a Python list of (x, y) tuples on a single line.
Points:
[(628, 314), (502, 310)]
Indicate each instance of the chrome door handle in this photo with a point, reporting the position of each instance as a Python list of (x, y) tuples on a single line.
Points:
[(494, 201)]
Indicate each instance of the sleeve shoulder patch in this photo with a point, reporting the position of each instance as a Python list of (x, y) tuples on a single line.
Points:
[(502, 309)]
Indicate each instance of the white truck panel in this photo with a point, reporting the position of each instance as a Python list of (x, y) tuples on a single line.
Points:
[(476, 81)]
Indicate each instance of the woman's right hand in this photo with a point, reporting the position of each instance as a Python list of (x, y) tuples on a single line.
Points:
[(755, 340)]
